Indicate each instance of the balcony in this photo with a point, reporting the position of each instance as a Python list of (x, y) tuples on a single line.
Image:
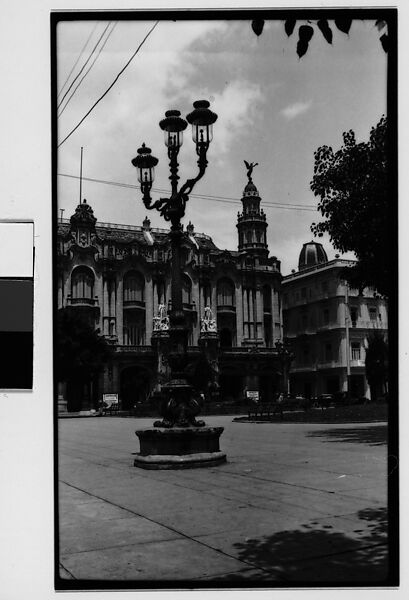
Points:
[(357, 362), (226, 309), (303, 368), (326, 326), (374, 324), (84, 302), (134, 304), (329, 364), (135, 349), (189, 307)]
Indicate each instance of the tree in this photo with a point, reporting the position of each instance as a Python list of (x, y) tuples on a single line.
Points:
[(81, 351), (376, 364), (353, 187), (305, 32)]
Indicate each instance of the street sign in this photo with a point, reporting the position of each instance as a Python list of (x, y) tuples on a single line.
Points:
[(253, 395), (110, 399)]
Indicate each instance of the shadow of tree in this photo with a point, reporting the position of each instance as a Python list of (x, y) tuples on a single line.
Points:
[(373, 436), (319, 556)]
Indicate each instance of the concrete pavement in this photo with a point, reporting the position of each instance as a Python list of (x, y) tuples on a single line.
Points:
[(295, 503)]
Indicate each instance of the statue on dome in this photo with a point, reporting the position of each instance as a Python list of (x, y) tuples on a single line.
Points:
[(250, 167)]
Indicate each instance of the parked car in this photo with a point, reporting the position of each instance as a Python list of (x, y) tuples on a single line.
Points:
[(324, 400)]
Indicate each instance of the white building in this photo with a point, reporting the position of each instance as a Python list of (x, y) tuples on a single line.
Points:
[(328, 325)]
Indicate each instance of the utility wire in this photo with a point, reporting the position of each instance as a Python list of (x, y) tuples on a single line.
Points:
[(111, 86), (83, 66), (78, 59), (225, 199), (89, 69)]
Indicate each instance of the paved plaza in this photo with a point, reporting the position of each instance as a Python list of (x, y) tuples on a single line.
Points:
[(295, 503)]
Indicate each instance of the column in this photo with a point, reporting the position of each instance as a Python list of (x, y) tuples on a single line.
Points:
[(119, 310), (245, 313), (60, 292), (200, 306), (276, 316), (150, 299), (168, 293), (154, 296), (105, 306), (213, 293), (66, 287), (251, 312), (112, 305), (239, 315), (196, 300), (98, 291), (259, 315)]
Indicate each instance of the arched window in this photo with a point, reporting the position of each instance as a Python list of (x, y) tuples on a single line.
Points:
[(225, 293), (134, 287), (82, 283), (186, 289), (249, 237)]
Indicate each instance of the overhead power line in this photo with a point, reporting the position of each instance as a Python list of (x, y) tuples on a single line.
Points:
[(111, 86), (89, 68), (224, 199), (78, 59), (83, 66)]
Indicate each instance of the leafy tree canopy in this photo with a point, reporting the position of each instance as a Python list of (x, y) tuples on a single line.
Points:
[(306, 31), (81, 351), (352, 185)]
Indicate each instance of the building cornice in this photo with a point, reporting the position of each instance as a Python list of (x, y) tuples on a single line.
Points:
[(337, 263)]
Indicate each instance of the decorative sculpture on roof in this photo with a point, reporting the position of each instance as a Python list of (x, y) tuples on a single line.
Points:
[(250, 167), (161, 321), (207, 323), (83, 215)]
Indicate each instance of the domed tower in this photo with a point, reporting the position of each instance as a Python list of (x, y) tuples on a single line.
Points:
[(251, 223), (312, 254)]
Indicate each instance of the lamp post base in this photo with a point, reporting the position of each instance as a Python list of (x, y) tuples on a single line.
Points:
[(179, 448)]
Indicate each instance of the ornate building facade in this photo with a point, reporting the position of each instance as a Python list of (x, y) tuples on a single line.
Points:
[(328, 325), (118, 278)]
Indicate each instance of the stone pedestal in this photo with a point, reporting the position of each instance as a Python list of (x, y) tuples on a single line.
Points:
[(209, 345), (179, 448), (160, 344), (62, 404)]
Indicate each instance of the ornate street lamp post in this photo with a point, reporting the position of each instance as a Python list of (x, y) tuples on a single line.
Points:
[(286, 356), (180, 409)]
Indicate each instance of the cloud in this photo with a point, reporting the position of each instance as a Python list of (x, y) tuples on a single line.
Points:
[(236, 107), (294, 110)]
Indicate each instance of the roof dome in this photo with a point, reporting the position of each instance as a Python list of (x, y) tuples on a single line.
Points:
[(312, 254), (250, 190)]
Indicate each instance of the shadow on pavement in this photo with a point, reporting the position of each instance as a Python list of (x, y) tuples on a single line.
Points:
[(320, 556), (373, 436)]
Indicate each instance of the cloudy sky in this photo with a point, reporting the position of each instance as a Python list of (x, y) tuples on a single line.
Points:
[(273, 108)]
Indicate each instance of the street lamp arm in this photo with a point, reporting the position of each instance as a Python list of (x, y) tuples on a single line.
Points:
[(158, 204), (202, 164)]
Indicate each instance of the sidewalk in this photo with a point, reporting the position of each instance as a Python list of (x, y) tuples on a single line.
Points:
[(295, 503)]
